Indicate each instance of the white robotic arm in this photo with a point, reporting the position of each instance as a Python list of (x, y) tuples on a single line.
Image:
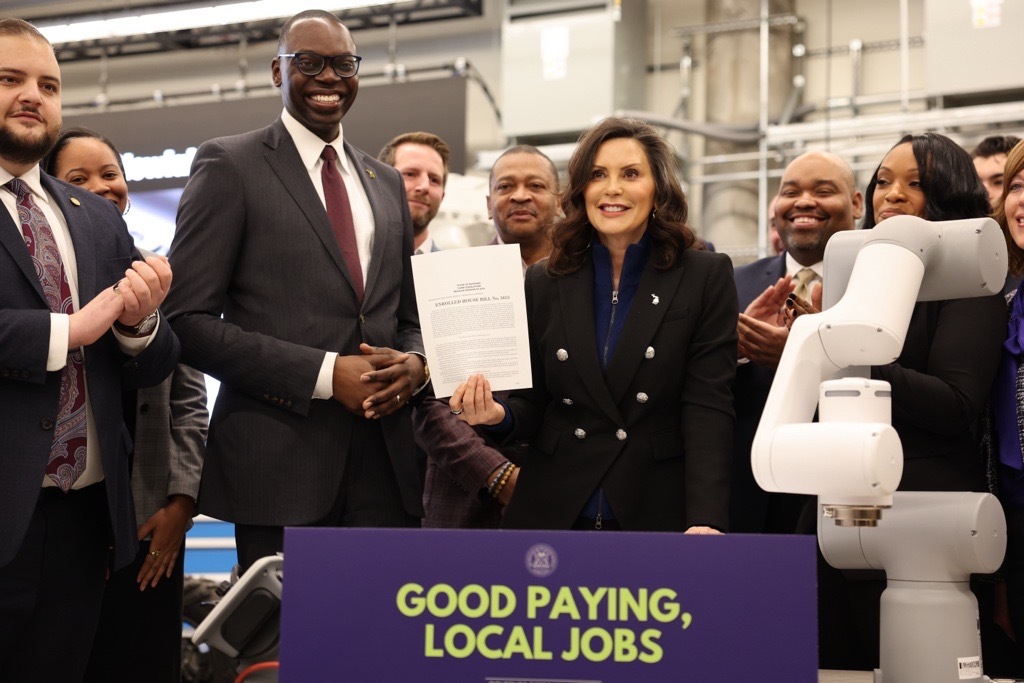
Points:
[(852, 458)]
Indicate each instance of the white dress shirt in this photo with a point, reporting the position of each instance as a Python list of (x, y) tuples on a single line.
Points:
[(793, 267), (426, 246), (310, 147)]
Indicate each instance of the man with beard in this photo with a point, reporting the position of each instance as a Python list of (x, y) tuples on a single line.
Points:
[(817, 198), (422, 159), (463, 463), (293, 256), (77, 319)]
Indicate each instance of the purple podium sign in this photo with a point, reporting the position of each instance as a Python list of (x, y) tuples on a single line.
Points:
[(388, 605)]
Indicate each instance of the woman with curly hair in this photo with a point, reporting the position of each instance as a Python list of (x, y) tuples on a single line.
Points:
[(633, 346)]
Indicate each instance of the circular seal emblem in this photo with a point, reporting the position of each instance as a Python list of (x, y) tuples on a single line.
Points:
[(541, 560)]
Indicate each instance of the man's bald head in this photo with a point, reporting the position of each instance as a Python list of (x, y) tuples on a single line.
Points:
[(817, 197)]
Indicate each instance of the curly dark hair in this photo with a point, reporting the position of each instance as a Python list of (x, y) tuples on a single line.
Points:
[(669, 233), (951, 186), (1014, 165)]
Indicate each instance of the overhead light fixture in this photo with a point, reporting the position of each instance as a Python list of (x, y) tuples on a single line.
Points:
[(193, 17)]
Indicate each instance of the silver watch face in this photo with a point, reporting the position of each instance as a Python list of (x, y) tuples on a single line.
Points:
[(147, 325)]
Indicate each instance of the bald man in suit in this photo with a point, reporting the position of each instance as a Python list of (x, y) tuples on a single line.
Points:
[(296, 292), (818, 197)]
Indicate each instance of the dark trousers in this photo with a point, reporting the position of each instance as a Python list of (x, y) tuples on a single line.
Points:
[(50, 594), (139, 634), (368, 497)]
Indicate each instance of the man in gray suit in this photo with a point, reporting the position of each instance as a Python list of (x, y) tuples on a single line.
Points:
[(295, 291)]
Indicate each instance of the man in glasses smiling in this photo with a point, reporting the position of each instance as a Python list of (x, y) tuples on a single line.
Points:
[(296, 292), (311, 64)]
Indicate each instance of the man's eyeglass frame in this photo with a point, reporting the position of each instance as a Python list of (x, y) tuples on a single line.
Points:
[(324, 59)]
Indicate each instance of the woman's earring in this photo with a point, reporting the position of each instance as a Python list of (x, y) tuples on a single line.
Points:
[(127, 207)]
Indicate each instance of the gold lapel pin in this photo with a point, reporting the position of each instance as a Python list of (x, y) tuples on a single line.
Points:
[(369, 172), (74, 200)]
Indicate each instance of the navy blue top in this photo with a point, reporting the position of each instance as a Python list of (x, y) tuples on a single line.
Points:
[(611, 308)]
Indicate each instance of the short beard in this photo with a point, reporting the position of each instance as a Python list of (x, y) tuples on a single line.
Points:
[(420, 223), (22, 151), (809, 247)]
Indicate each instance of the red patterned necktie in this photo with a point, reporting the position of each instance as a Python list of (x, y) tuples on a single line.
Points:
[(339, 211), (67, 454)]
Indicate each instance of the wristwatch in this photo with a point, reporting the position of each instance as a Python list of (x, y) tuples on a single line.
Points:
[(144, 328), (426, 373)]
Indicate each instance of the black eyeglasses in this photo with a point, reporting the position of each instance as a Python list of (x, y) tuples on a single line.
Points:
[(311, 64)]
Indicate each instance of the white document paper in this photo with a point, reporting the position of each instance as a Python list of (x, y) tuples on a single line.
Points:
[(473, 316)]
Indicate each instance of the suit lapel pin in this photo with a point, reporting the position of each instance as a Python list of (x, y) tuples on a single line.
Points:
[(74, 200), (369, 172), (655, 300)]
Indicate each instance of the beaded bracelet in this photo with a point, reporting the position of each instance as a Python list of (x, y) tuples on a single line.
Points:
[(497, 478), (505, 476)]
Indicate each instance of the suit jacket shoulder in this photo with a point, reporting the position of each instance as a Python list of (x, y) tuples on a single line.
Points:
[(752, 278)]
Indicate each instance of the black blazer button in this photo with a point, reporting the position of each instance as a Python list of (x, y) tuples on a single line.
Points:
[(144, 408), (46, 423), (5, 373)]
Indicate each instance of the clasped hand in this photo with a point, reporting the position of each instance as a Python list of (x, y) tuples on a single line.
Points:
[(143, 288), (378, 382)]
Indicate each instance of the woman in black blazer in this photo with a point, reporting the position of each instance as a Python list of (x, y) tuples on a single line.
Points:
[(633, 345), (941, 380)]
